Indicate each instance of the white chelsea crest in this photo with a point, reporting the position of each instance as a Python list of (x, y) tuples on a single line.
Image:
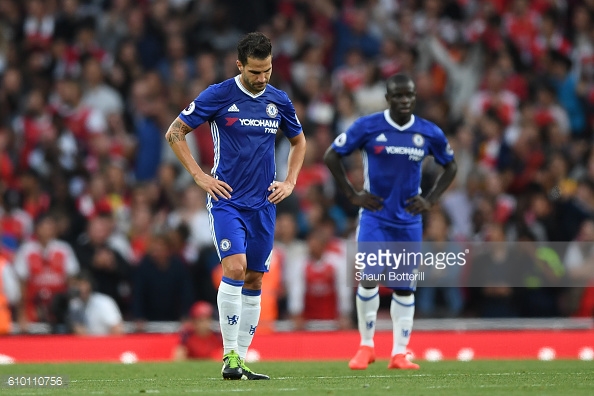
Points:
[(271, 110), (418, 140), (225, 245)]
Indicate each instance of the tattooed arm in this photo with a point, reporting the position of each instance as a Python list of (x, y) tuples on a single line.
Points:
[(176, 136)]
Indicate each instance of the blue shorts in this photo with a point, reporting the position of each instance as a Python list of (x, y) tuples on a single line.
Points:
[(397, 239), (242, 231)]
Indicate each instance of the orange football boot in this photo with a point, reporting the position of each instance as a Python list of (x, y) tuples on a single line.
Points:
[(363, 357), (400, 361)]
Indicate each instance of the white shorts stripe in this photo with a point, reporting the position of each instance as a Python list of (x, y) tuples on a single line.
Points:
[(211, 225)]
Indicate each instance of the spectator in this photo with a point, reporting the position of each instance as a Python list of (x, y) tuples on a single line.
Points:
[(162, 286), (197, 338), (16, 225), (193, 212), (106, 265), (568, 95), (93, 313), (97, 94), (68, 21), (320, 291), (436, 234), (39, 25), (491, 275), (463, 71), (10, 295), (147, 130), (579, 263), (44, 266)]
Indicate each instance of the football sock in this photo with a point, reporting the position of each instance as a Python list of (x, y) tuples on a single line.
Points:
[(367, 302), (402, 310), (229, 304), (250, 314)]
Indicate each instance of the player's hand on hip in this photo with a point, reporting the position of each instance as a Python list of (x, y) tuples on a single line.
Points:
[(417, 205), (216, 188), (367, 200), (280, 191)]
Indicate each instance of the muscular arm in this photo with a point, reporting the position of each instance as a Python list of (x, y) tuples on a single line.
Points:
[(296, 156), (333, 161), (363, 198), (443, 182), (176, 137), (418, 204), (295, 161)]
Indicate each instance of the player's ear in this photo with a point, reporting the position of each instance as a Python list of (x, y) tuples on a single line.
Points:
[(239, 65)]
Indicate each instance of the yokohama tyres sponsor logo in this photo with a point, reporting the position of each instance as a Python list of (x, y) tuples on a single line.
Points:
[(258, 123), (405, 150), (252, 122)]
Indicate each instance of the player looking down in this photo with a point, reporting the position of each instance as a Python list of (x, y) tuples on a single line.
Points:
[(244, 113), (393, 144)]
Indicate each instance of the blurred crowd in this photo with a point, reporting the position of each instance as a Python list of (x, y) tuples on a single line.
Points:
[(94, 206)]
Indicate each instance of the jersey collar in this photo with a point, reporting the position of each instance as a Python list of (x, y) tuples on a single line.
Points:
[(245, 91), (399, 127)]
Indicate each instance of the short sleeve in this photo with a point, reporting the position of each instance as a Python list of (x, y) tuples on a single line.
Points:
[(72, 265), (351, 140), (19, 263), (96, 122), (439, 147), (289, 122), (111, 312), (201, 109)]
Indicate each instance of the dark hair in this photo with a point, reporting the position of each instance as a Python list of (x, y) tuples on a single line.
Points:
[(253, 45), (86, 275), (399, 78)]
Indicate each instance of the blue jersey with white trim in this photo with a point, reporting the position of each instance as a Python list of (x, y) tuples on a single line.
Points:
[(392, 160), (243, 127)]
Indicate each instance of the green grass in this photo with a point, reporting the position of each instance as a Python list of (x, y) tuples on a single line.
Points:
[(561, 377)]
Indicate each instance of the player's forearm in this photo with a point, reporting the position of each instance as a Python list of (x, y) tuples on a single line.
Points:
[(176, 137), (117, 329), (296, 157), (443, 182), (334, 162)]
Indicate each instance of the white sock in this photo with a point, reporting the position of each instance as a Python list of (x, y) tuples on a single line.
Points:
[(402, 311), (367, 305), (250, 315), (229, 303)]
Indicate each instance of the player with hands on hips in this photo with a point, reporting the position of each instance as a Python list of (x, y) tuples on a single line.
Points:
[(245, 113), (393, 144)]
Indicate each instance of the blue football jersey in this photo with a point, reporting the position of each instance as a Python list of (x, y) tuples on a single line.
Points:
[(243, 127), (392, 160)]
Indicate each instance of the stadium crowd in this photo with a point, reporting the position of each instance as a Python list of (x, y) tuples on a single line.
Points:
[(92, 195)]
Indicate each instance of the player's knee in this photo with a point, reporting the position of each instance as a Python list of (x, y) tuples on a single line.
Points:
[(233, 270), (253, 280), (234, 267), (235, 273), (403, 292)]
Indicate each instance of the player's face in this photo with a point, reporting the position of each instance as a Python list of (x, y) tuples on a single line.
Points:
[(255, 74), (401, 97)]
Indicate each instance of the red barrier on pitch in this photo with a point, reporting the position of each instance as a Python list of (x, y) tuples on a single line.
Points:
[(309, 346)]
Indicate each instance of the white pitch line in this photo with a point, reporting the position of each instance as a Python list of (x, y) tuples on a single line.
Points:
[(327, 377)]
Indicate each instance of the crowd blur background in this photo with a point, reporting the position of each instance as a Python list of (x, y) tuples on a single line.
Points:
[(100, 224)]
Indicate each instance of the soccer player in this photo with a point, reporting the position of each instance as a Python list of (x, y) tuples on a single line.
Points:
[(245, 114), (393, 144)]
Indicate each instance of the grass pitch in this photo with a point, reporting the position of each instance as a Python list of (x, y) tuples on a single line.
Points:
[(526, 377)]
